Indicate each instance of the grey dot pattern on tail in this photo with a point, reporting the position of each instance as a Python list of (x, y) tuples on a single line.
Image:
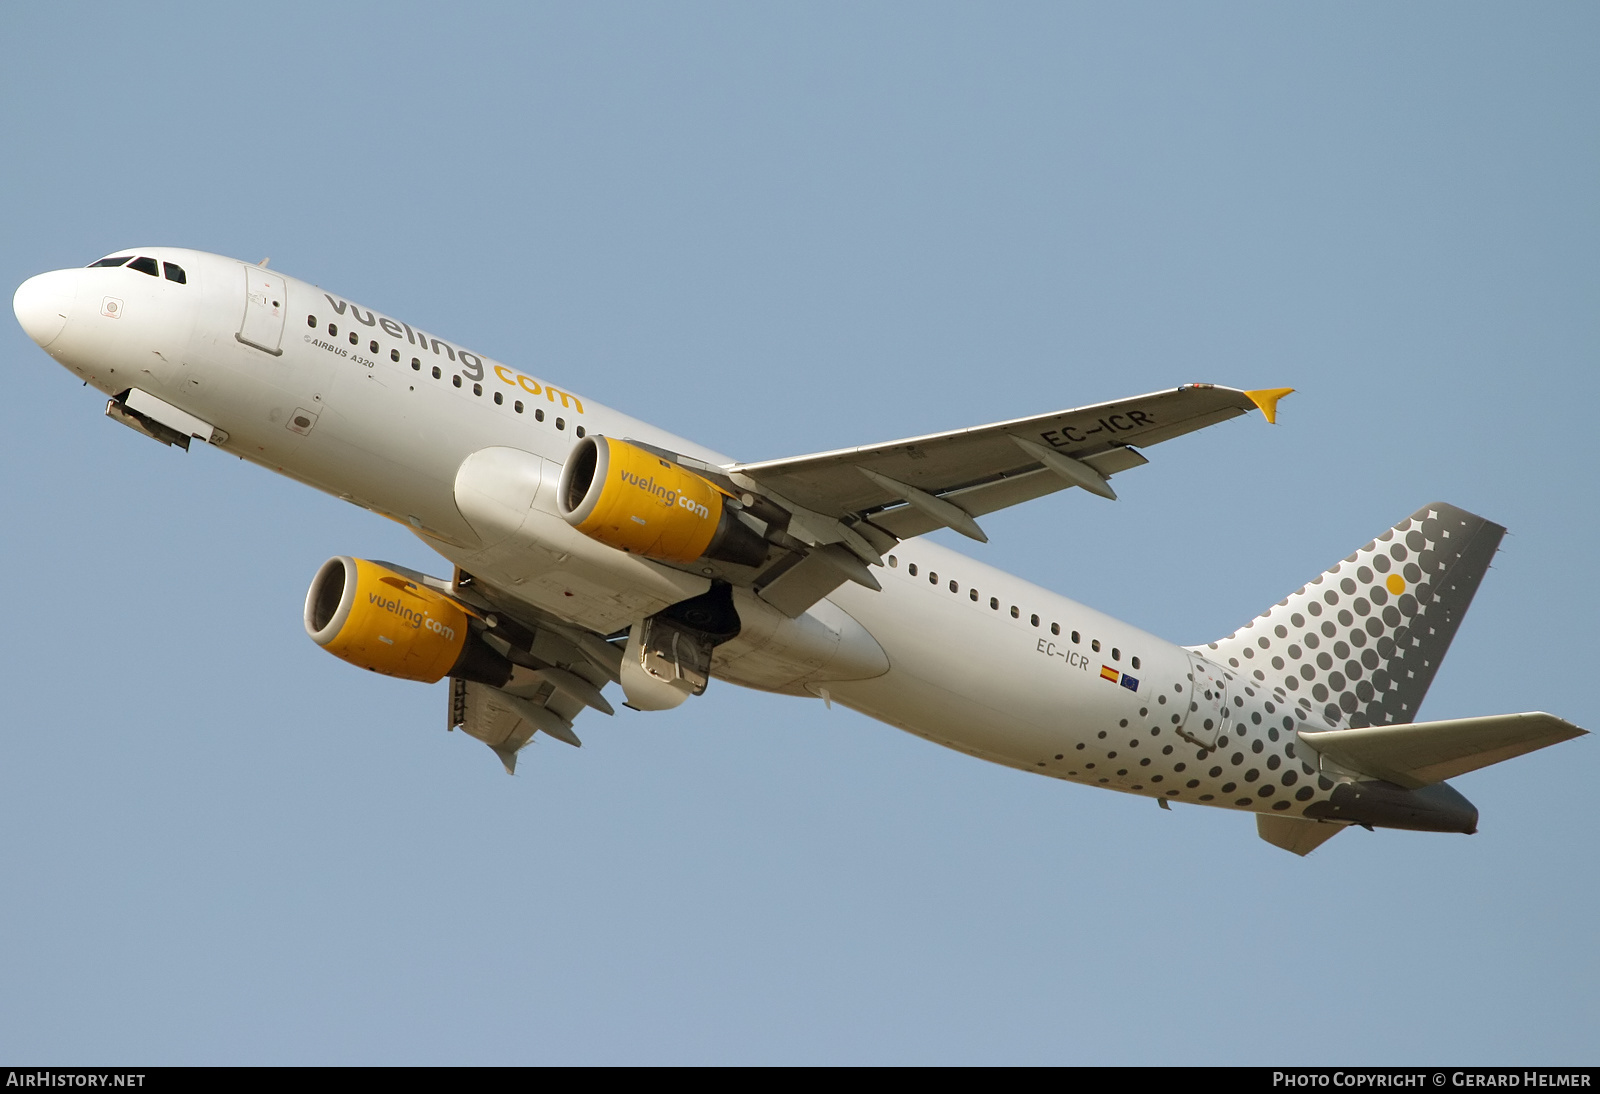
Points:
[(1360, 644)]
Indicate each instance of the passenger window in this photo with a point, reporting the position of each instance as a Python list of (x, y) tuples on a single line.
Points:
[(994, 603), (372, 347), (333, 330), (954, 587), (1116, 654), (477, 389), (456, 380), (354, 339), (1014, 613), (1135, 662), (517, 406), (538, 415), (394, 355), (933, 578), (498, 398), (1095, 645), (561, 423), (145, 266), (580, 431), (436, 373), (1076, 638), (416, 365), (1055, 628), (1034, 620), (974, 595), (175, 273), (117, 261), (893, 562), (311, 321), (912, 569)]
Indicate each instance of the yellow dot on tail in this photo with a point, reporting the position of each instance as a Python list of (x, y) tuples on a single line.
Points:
[(1396, 584)]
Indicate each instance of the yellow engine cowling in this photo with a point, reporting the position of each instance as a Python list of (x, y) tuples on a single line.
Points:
[(634, 500), (374, 618)]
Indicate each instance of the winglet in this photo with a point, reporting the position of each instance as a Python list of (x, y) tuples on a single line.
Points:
[(1267, 400)]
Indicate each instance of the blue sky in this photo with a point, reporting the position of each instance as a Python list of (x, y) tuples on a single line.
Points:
[(780, 230)]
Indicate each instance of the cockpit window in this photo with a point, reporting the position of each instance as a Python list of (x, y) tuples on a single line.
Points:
[(145, 266), (175, 273), (115, 261)]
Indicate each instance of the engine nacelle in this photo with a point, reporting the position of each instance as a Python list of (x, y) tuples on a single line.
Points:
[(374, 618), (634, 500)]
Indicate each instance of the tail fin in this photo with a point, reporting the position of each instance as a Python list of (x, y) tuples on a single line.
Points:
[(1360, 644)]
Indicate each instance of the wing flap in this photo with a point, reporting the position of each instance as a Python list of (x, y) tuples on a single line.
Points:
[(1424, 753), (813, 577), (829, 482), (506, 722), (1002, 493)]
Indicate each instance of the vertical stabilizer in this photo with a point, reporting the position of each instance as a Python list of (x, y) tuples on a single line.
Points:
[(1360, 644)]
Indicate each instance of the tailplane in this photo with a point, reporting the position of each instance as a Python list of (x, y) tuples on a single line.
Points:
[(1354, 651), (1425, 753), (1393, 776)]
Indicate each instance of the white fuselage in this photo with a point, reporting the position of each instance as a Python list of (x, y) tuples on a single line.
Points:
[(372, 410)]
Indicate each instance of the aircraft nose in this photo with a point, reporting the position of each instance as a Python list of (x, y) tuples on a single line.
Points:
[(43, 303)]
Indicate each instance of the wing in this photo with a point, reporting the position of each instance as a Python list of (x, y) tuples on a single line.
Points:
[(558, 671), (909, 487)]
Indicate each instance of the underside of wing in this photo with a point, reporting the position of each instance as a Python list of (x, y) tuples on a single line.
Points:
[(557, 672), (911, 486)]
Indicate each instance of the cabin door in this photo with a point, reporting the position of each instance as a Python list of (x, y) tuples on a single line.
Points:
[(265, 306)]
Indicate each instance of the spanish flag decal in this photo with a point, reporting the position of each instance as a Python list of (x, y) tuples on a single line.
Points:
[(1109, 673)]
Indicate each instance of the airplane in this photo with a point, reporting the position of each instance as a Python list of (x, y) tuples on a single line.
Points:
[(590, 548)]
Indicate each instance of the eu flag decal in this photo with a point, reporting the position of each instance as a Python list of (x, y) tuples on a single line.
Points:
[(1129, 682)]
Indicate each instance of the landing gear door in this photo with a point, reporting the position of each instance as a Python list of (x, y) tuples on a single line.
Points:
[(1208, 703), (265, 306)]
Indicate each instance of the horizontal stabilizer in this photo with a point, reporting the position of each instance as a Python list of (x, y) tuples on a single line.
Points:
[(1295, 834), (1424, 753)]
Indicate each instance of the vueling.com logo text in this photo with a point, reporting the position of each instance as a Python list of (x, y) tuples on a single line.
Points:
[(533, 387), (413, 618), (667, 495), (470, 364)]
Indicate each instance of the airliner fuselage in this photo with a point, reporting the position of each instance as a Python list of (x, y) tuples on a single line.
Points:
[(391, 417)]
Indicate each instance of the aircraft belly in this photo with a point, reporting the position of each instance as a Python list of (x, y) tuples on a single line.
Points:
[(944, 715), (773, 652), (963, 679)]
